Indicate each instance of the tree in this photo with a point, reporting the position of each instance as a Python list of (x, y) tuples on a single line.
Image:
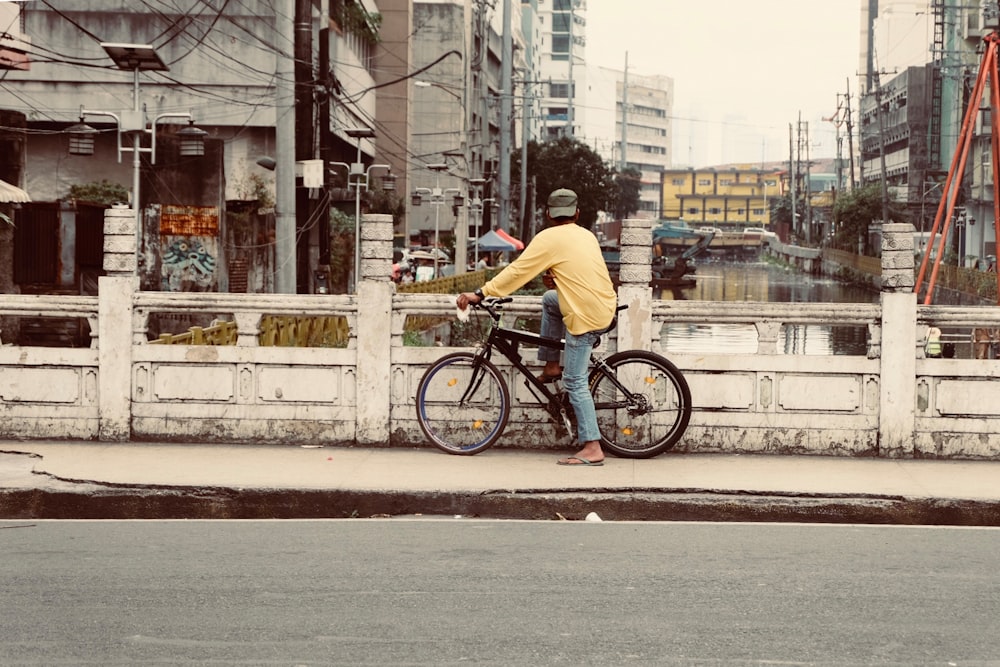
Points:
[(99, 192), (855, 212), (568, 163), (628, 184)]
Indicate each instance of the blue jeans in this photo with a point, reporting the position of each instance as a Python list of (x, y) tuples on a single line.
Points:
[(576, 361)]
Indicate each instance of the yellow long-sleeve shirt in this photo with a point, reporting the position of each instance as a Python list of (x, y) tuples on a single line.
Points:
[(586, 295)]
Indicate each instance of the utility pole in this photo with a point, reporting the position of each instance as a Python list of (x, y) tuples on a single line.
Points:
[(881, 148), (526, 108), (792, 176), (304, 79), (798, 169), (506, 116), (624, 156), (284, 172), (809, 221), (325, 141), (570, 94), (850, 134)]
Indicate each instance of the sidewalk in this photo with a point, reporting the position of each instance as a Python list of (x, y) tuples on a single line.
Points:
[(45, 479)]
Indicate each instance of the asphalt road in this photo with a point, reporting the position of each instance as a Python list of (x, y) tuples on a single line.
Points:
[(446, 592)]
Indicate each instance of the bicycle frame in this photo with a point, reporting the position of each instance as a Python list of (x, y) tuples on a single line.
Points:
[(506, 341), (642, 411)]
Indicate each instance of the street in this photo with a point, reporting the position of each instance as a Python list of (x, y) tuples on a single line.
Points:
[(449, 591)]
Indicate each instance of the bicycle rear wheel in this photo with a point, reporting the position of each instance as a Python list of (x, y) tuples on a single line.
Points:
[(643, 410), (462, 403)]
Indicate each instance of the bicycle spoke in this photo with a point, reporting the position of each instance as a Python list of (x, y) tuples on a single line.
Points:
[(462, 404), (643, 407)]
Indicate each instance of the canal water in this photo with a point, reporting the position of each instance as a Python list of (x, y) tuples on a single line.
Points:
[(761, 281)]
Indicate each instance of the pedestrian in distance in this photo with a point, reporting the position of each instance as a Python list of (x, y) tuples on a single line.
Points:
[(580, 301), (932, 346)]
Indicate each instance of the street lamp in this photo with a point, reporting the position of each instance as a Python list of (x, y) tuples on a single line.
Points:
[(961, 220), (137, 58), (440, 86), (437, 199), (358, 176)]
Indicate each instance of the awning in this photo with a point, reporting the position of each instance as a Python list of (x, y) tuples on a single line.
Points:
[(11, 193), (518, 245), (491, 241)]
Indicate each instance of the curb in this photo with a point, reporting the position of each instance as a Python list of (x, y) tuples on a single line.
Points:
[(132, 502)]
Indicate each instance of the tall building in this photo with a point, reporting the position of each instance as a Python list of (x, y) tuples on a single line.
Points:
[(624, 117), (919, 63), (643, 122), (563, 97), (454, 123)]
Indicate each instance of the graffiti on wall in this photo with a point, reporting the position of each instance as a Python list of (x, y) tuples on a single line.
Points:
[(189, 248)]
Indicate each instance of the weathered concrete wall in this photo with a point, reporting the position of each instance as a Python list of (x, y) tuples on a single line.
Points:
[(890, 402)]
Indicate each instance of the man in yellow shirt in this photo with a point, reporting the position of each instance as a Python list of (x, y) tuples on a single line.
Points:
[(582, 303)]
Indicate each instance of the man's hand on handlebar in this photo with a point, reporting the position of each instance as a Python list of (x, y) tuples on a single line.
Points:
[(465, 298)]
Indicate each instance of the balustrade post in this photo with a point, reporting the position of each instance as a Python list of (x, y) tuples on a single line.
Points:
[(114, 337), (898, 366), (374, 330), (635, 273)]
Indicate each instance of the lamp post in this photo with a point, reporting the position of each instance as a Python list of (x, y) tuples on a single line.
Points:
[(476, 211), (358, 176), (440, 86), (445, 116), (437, 199), (137, 58), (961, 220)]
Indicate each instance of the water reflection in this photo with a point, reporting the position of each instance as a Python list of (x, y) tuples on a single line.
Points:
[(744, 281)]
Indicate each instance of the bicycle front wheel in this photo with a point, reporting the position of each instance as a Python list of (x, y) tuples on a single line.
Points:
[(462, 403), (643, 405)]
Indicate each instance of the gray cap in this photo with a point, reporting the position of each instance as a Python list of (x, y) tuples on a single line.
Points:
[(562, 203)]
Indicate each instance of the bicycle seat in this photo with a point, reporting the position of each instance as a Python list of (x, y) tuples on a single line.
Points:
[(614, 323)]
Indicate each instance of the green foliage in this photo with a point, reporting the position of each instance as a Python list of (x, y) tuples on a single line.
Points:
[(628, 184), (781, 210), (254, 187), (386, 202), (470, 333), (354, 19), (414, 339), (99, 192), (341, 250), (856, 211), (568, 163)]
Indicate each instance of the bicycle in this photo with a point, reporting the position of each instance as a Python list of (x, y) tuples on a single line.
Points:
[(642, 400)]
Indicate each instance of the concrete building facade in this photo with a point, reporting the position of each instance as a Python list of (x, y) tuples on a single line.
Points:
[(730, 199), (222, 64)]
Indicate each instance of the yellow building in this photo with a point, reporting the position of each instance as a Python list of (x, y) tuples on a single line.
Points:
[(728, 198)]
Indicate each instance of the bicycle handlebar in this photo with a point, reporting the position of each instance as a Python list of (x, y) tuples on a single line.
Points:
[(493, 305)]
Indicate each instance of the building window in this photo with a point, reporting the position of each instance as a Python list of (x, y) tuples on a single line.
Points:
[(560, 46), (559, 90), (704, 181), (715, 210), (677, 181)]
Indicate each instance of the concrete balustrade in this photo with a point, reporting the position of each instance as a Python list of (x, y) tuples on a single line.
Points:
[(890, 402)]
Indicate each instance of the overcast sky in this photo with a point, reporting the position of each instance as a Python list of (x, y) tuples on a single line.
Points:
[(747, 65)]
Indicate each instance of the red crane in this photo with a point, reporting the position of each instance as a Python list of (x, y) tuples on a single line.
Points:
[(987, 71)]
